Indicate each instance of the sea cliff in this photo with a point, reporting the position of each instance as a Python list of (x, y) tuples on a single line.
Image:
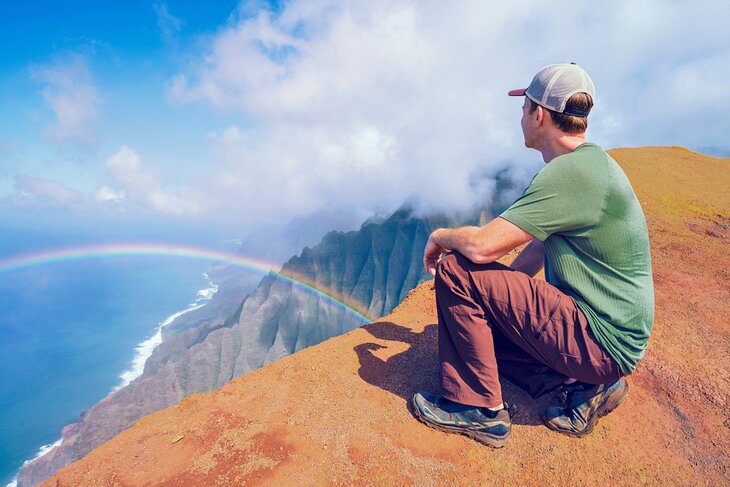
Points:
[(336, 413), (371, 269)]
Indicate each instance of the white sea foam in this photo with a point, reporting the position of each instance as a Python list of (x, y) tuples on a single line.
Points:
[(41, 451), (143, 351)]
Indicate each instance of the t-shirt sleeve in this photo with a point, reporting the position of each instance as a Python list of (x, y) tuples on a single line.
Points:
[(557, 200)]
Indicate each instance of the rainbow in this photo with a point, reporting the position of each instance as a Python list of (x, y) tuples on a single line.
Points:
[(69, 254)]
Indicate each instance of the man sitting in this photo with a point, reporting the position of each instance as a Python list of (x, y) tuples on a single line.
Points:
[(587, 325)]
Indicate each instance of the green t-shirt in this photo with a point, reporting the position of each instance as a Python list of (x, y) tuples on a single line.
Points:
[(582, 206)]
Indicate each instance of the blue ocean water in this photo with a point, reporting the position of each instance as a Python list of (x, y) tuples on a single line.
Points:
[(67, 332)]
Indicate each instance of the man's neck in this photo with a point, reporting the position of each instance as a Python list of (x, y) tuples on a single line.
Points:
[(560, 144)]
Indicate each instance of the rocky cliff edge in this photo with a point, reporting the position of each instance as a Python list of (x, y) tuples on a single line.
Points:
[(336, 413)]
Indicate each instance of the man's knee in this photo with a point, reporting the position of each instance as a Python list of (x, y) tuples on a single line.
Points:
[(453, 272), (454, 268), (449, 268)]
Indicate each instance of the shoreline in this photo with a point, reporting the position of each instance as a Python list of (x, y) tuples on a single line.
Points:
[(144, 350), (141, 353), (41, 452)]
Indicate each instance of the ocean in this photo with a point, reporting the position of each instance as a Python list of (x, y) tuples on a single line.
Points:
[(73, 331)]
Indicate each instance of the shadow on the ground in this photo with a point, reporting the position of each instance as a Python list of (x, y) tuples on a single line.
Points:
[(416, 369)]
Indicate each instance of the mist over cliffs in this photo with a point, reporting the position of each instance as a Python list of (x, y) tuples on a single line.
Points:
[(372, 268)]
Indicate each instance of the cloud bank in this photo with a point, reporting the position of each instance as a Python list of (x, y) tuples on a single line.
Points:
[(370, 103), (364, 105)]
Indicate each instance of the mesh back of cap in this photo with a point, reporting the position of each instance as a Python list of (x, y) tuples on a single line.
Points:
[(555, 84)]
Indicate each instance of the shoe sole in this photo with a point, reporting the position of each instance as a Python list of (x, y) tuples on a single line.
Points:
[(483, 438), (602, 410)]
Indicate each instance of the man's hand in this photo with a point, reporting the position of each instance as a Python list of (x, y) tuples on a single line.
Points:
[(480, 245), (432, 254)]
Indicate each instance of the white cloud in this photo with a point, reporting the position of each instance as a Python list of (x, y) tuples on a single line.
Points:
[(168, 24), (140, 187), (366, 111), (107, 194), (369, 103), (40, 192), (131, 187), (228, 135), (69, 91)]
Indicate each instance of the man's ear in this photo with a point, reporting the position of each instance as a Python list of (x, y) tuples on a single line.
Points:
[(542, 115)]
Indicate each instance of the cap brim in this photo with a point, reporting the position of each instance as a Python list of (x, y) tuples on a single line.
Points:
[(520, 92)]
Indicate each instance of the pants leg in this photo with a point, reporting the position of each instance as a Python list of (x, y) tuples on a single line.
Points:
[(522, 369), (493, 319)]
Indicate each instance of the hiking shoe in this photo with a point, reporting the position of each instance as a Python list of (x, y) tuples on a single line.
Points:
[(490, 428), (585, 404)]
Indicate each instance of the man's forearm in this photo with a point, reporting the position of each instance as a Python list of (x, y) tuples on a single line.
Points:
[(483, 244), (531, 259), (459, 239)]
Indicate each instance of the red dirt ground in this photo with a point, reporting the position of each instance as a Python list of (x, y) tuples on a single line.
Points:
[(336, 413)]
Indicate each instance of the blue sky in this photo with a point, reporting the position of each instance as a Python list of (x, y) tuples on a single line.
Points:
[(127, 53), (257, 112)]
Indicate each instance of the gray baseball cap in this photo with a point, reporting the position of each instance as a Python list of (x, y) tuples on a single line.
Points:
[(553, 85)]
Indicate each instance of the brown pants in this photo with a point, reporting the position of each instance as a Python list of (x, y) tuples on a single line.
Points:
[(494, 320)]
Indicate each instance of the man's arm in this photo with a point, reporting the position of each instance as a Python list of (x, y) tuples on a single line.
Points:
[(531, 259), (481, 245)]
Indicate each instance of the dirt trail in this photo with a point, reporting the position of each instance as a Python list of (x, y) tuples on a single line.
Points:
[(336, 413)]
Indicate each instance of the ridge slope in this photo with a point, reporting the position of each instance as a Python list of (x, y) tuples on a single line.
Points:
[(336, 413)]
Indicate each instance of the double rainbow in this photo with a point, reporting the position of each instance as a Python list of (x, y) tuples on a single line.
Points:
[(69, 254)]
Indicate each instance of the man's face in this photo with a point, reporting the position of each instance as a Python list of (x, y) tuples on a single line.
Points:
[(527, 123)]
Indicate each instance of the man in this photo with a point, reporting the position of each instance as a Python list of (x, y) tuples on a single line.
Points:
[(587, 325)]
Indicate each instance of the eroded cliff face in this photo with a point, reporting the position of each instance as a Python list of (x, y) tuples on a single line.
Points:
[(372, 268), (302, 420)]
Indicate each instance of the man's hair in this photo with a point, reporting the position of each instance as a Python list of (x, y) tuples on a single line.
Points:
[(569, 124)]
